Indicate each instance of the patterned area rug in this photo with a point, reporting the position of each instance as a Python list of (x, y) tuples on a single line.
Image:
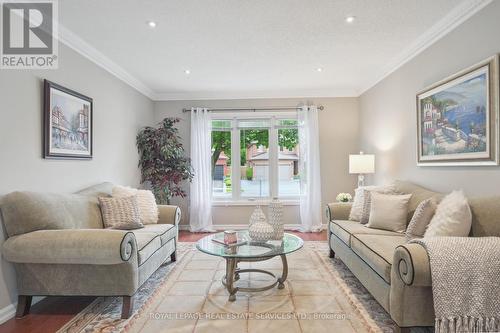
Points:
[(320, 295)]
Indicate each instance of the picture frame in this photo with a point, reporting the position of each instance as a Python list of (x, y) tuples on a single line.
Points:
[(457, 118), (67, 123)]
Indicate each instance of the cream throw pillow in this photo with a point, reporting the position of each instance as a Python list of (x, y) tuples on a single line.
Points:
[(146, 202), (365, 214), (421, 219), (388, 211), (359, 201), (120, 213), (452, 218)]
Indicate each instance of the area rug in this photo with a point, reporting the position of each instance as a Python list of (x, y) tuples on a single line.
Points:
[(320, 295)]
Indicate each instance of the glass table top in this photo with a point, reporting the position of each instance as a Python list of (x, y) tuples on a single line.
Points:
[(249, 248)]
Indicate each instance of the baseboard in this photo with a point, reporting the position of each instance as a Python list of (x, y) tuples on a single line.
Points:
[(220, 227), (9, 311)]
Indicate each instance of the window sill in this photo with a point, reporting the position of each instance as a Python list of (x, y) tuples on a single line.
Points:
[(230, 203)]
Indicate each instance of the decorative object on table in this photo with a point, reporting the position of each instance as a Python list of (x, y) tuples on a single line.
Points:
[(261, 231), (257, 215), (361, 164), (344, 197), (67, 123), (163, 161), (230, 237), (276, 218), (457, 118)]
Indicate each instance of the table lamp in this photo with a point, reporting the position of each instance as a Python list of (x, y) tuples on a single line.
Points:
[(361, 164)]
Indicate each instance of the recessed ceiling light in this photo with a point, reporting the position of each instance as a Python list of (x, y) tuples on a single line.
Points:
[(152, 24), (350, 19), (319, 69), (187, 71)]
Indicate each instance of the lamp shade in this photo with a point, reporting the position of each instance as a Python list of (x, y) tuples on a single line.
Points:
[(362, 163)]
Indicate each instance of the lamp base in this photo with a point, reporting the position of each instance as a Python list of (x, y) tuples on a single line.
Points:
[(361, 180)]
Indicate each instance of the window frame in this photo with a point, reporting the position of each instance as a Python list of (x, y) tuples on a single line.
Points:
[(236, 199)]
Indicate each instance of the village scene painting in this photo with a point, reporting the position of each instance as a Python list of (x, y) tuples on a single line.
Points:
[(454, 119), (70, 124)]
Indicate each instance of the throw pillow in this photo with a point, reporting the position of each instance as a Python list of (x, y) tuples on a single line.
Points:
[(358, 202), (388, 211), (120, 213), (365, 214), (420, 219), (452, 218), (146, 202)]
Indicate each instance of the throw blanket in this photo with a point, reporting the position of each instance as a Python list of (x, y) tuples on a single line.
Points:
[(465, 275)]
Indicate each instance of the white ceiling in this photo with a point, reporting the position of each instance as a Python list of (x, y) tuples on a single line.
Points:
[(255, 48)]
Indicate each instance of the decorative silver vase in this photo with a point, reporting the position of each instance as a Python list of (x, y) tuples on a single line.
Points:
[(276, 218), (257, 216), (259, 230)]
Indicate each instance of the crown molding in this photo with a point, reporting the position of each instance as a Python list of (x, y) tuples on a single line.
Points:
[(76, 43), (201, 95), (449, 22)]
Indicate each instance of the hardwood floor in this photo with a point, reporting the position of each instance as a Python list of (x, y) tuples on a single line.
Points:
[(52, 313)]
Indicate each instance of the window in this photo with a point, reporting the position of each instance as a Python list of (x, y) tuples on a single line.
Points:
[(255, 156), (288, 158), (221, 158)]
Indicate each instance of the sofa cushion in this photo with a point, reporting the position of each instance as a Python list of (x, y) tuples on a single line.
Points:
[(147, 244), (377, 251), (418, 193), (165, 231), (343, 229), (30, 211)]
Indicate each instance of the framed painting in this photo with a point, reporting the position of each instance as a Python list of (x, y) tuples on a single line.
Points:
[(457, 118), (67, 123)]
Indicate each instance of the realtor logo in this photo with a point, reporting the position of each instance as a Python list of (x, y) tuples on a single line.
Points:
[(29, 31)]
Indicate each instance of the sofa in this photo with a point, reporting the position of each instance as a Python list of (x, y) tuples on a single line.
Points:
[(58, 246), (396, 273)]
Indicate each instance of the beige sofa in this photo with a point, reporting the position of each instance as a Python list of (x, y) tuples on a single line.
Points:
[(58, 247), (397, 274)]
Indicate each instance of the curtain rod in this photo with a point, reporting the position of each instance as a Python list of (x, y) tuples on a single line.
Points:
[(321, 107)]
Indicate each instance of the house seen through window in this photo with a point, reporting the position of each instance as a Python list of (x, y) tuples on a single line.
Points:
[(255, 158)]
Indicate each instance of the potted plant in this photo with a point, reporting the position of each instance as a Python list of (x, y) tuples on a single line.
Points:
[(163, 161)]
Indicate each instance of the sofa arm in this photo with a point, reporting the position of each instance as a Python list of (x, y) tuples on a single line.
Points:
[(71, 246), (411, 264), (338, 211), (169, 214)]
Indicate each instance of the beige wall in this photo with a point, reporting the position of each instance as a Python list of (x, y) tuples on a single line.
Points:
[(338, 124), (388, 115), (119, 111)]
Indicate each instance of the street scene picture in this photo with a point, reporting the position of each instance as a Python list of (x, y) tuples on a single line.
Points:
[(69, 120)]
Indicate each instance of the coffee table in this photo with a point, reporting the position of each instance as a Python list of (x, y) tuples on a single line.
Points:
[(250, 251)]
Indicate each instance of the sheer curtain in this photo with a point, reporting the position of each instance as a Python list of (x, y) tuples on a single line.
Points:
[(309, 169), (200, 210)]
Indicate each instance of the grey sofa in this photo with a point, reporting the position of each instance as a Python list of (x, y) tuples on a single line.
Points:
[(58, 246), (397, 274)]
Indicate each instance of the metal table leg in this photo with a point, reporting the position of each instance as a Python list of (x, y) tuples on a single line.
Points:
[(284, 275), (230, 275)]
